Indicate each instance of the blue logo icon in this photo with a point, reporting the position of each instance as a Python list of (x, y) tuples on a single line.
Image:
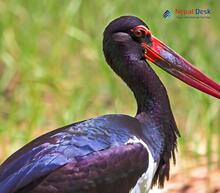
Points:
[(167, 14)]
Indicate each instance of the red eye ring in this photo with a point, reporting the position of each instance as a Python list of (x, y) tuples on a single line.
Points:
[(140, 31)]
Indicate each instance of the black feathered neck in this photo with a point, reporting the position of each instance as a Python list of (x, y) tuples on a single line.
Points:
[(125, 57)]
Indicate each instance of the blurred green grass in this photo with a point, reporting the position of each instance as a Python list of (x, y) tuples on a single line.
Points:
[(52, 70)]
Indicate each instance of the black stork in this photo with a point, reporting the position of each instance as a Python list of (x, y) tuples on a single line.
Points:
[(112, 153)]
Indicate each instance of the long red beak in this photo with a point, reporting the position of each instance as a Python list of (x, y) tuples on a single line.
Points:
[(164, 57)]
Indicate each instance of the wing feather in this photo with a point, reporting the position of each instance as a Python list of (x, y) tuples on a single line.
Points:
[(68, 144)]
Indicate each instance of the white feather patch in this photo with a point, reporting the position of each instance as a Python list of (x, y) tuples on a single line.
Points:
[(143, 184)]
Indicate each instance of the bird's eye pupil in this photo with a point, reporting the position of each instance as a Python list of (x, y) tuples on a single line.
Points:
[(139, 33)]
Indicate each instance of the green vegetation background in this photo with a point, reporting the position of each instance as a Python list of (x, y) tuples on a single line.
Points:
[(52, 70)]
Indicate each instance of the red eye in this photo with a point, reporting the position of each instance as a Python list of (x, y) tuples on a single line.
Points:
[(140, 31)]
